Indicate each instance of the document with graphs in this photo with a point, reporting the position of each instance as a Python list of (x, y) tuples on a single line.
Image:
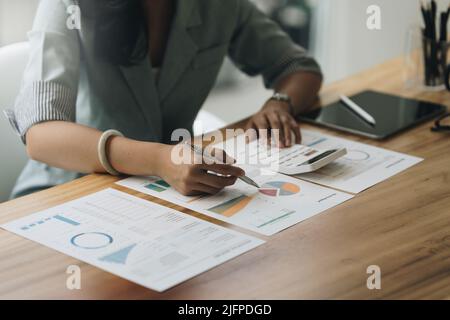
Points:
[(361, 168), (281, 202), (151, 245)]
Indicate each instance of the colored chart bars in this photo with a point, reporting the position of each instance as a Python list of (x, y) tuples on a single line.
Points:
[(158, 186), (231, 207)]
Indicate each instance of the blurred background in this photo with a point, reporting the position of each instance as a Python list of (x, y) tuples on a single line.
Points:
[(334, 31)]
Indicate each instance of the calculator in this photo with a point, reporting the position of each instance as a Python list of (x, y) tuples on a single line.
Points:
[(301, 159), (295, 160)]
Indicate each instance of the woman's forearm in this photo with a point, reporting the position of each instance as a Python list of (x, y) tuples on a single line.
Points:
[(73, 147), (302, 88)]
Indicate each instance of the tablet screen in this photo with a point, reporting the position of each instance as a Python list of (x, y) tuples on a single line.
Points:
[(391, 113)]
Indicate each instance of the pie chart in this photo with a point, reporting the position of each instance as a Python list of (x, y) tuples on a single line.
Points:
[(279, 188), (91, 240), (357, 155)]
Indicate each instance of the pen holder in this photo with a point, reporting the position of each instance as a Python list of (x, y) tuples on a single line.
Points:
[(435, 60)]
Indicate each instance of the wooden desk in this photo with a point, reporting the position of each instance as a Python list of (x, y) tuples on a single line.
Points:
[(402, 225)]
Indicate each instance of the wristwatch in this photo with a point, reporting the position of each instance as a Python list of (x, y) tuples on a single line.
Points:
[(282, 97)]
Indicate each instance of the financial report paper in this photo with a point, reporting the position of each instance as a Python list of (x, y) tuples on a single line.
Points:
[(281, 202), (361, 168), (151, 245), (284, 200)]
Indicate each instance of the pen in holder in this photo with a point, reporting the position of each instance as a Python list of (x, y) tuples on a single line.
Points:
[(434, 43), (435, 59)]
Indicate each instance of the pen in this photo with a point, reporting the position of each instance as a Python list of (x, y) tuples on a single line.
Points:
[(426, 43), (426, 21), (199, 152), (443, 27), (358, 110), (444, 16), (433, 11)]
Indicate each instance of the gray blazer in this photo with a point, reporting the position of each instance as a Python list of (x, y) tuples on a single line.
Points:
[(64, 79)]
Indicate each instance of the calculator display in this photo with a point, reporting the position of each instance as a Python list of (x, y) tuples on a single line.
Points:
[(319, 157)]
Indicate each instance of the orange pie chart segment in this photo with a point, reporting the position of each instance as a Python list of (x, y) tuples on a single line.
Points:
[(279, 188)]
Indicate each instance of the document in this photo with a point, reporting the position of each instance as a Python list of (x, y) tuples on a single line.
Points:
[(151, 245), (362, 167), (285, 200), (295, 160), (281, 202)]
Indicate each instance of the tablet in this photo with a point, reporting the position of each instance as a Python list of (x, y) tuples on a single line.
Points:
[(391, 113)]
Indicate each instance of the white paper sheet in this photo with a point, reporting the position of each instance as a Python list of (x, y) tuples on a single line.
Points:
[(363, 166), (258, 153), (283, 201), (154, 246)]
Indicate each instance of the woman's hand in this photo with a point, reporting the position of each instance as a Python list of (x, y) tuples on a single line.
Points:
[(275, 115), (193, 179)]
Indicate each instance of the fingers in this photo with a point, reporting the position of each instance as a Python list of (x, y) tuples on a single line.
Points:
[(296, 131), (215, 181), (223, 169), (261, 123), (282, 128), (286, 130), (197, 178), (276, 124), (197, 181), (203, 188), (250, 132)]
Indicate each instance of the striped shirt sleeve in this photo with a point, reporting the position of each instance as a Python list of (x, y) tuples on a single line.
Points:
[(39, 102), (50, 81)]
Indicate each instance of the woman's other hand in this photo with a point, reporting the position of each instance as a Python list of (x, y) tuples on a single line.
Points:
[(276, 115)]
